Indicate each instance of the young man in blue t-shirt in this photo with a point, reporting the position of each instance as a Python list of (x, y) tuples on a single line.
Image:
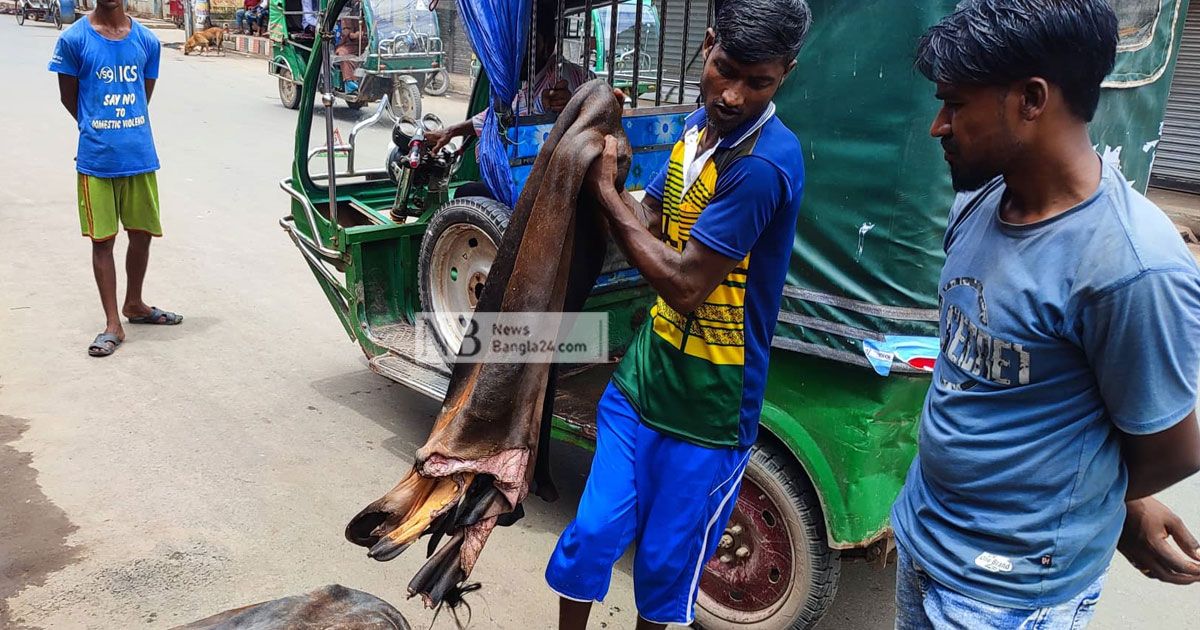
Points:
[(713, 238), (1064, 396), (107, 64)]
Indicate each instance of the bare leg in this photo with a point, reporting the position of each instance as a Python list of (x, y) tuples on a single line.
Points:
[(105, 270), (137, 258), (573, 615), (642, 624)]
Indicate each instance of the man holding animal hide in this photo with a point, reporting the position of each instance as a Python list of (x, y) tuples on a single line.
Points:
[(713, 238), (107, 64)]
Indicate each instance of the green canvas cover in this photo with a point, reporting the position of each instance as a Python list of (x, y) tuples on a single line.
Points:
[(868, 248), (276, 26)]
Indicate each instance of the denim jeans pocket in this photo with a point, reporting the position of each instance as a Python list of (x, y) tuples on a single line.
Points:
[(1084, 612)]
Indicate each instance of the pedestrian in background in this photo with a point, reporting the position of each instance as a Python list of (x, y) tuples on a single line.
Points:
[(107, 64)]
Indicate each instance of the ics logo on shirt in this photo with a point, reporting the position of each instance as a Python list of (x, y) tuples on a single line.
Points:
[(119, 74)]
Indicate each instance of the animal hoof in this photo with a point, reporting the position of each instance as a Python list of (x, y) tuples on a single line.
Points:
[(361, 530), (386, 549)]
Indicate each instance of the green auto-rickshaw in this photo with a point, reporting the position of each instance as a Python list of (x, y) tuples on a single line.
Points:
[(400, 55), (857, 332)]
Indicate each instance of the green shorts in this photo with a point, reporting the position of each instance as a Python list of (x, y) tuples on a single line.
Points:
[(104, 201)]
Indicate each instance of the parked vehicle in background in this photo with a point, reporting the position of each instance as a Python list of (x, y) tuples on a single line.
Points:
[(401, 54), (56, 12)]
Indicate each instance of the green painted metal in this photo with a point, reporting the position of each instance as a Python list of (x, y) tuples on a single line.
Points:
[(862, 115), (853, 432)]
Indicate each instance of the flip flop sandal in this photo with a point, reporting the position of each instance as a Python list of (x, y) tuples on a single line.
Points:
[(104, 345), (158, 317)]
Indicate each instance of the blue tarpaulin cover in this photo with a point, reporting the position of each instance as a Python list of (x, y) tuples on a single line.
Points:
[(497, 30)]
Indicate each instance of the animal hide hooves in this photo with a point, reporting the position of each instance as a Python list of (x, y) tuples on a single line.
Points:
[(479, 461)]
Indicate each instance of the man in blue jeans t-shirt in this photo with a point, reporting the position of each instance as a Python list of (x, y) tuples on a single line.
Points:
[(1064, 396)]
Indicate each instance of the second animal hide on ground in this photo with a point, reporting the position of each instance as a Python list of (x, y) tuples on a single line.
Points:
[(476, 468), (334, 607)]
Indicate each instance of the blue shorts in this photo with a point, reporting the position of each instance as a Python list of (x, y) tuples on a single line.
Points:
[(673, 497)]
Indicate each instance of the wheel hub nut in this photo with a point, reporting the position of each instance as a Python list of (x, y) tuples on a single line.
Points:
[(726, 541), (726, 558), (742, 552)]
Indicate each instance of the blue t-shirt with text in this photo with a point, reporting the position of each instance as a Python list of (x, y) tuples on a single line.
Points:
[(1057, 337), (114, 123)]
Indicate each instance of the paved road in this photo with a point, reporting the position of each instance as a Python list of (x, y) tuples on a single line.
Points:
[(215, 464)]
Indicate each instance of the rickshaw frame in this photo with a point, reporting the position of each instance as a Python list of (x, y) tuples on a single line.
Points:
[(399, 75)]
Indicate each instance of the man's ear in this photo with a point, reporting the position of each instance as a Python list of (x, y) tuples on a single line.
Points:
[(710, 40), (1035, 94)]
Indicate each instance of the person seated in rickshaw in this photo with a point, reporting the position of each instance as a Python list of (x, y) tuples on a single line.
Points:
[(556, 80), (308, 21), (253, 13), (351, 45)]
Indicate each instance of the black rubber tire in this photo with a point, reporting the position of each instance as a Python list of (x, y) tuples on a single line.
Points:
[(289, 92), (403, 91), (817, 567), (437, 83), (356, 104), (488, 215)]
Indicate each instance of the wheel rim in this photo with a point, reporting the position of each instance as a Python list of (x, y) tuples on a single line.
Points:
[(437, 82), (21, 15), (459, 266), (287, 90), (54, 13), (749, 578), (402, 99)]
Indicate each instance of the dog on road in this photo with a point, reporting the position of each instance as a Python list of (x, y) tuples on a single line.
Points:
[(196, 42), (216, 37)]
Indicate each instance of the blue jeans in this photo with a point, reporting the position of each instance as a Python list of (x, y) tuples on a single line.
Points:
[(923, 604), (247, 19)]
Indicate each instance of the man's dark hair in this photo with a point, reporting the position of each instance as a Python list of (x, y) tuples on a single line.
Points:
[(752, 31), (1070, 43)]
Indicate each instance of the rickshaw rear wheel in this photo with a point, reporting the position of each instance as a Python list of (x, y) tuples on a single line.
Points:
[(289, 92), (457, 252), (438, 83), (406, 99), (773, 567)]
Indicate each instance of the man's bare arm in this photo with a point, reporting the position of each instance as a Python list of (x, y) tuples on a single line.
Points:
[(683, 279), (648, 212), (1159, 461), (68, 94), (150, 89)]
